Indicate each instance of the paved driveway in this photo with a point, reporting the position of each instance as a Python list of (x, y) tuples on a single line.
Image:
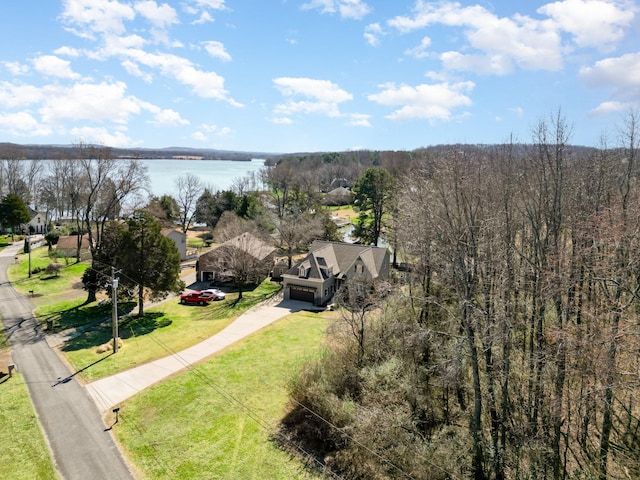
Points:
[(109, 392)]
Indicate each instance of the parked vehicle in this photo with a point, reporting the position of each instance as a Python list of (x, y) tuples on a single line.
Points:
[(218, 294), (196, 298)]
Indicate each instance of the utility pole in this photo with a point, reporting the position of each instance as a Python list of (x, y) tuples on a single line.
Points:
[(114, 315), (29, 250)]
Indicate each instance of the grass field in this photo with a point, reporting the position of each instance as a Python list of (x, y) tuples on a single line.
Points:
[(217, 419), (25, 454), (47, 288), (166, 328)]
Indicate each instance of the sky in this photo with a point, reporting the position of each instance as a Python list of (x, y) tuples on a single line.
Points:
[(284, 76)]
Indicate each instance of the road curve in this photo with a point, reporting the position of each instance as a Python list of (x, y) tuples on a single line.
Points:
[(82, 447)]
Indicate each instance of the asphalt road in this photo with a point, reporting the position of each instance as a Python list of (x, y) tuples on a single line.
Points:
[(82, 447)]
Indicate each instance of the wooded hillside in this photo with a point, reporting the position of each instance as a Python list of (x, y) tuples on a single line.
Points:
[(511, 346)]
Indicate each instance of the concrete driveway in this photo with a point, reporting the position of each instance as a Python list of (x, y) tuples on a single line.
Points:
[(109, 392)]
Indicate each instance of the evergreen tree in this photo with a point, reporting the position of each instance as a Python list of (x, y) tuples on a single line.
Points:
[(372, 195), (147, 259), (13, 212)]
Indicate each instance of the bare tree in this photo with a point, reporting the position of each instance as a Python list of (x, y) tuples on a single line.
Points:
[(104, 186), (296, 231), (189, 189)]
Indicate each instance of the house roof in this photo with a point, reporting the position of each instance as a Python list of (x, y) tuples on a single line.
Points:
[(339, 192), (335, 258), (168, 231), (245, 242), (71, 241)]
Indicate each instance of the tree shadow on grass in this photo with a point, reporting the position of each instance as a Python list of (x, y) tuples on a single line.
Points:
[(84, 314), (128, 327)]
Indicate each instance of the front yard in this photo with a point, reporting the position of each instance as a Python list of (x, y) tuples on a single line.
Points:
[(223, 414), (218, 416)]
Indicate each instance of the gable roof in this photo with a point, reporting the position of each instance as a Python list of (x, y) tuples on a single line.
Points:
[(71, 242), (335, 258), (245, 242)]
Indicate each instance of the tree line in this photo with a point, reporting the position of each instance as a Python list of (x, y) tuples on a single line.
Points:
[(510, 348)]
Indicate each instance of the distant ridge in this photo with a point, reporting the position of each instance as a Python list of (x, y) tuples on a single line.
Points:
[(41, 152)]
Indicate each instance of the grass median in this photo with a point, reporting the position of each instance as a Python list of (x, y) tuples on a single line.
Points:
[(218, 419)]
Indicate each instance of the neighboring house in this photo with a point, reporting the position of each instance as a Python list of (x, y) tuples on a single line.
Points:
[(67, 247), (37, 224), (255, 253), (328, 265), (179, 238), (337, 196)]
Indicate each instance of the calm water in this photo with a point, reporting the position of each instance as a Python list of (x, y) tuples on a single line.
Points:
[(216, 174)]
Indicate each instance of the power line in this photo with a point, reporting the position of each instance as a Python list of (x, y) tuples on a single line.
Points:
[(249, 411)]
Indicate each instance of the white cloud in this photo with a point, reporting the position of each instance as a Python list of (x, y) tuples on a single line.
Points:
[(54, 67), (622, 74), (422, 50), (19, 96), (101, 136), (16, 68), (214, 4), (202, 8), (203, 84), (372, 34), (520, 40), (216, 50), (355, 9), (95, 102), (200, 137), (432, 102), (169, 117), (593, 23), (22, 124), (67, 51), (134, 69), (205, 17), (282, 120), (323, 96), (481, 64), (97, 16), (606, 108), (359, 120), (214, 130), (161, 16)]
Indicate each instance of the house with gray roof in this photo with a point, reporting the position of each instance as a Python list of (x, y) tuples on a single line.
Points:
[(255, 255), (328, 265)]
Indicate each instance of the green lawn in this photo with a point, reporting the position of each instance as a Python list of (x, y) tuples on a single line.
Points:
[(25, 454), (166, 328), (217, 419), (47, 288)]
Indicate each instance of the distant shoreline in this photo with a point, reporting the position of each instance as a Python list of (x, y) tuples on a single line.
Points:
[(182, 157)]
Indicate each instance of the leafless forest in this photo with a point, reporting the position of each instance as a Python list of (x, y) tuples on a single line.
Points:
[(510, 349)]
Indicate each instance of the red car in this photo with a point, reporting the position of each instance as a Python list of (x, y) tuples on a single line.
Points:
[(196, 298)]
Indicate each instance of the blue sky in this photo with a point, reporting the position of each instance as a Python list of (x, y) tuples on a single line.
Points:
[(313, 75)]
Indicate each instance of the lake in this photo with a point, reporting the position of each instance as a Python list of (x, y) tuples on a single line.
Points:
[(216, 174)]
